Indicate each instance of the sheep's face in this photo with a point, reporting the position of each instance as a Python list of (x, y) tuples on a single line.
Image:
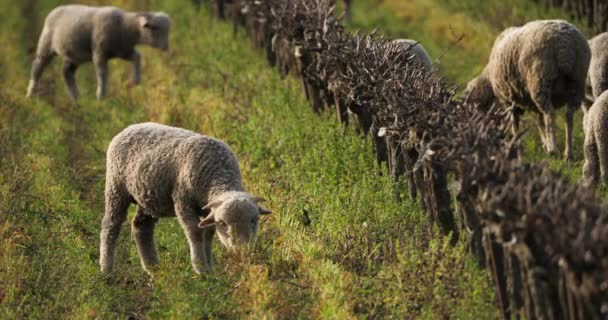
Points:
[(479, 91), (154, 29), (235, 216)]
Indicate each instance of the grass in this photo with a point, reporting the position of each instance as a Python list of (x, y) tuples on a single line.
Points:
[(361, 255)]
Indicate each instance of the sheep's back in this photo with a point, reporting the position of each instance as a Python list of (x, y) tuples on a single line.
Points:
[(155, 162), (548, 50)]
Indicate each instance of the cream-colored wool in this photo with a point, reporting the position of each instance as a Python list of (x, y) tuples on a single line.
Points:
[(167, 172)]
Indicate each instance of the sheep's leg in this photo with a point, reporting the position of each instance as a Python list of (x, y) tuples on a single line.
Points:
[(549, 115), (40, 62), (569, 126), (515, 120), (117, 203), (591, 167), (602, 152), (540, 91), (136, 61), (188, 219), (142, 231), (69, 71), (541, 129), (207, 241), (101, 69)]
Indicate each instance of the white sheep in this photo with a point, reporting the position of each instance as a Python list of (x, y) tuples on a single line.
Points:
[(540, 66), (420, 55), (169, 171), (598, 68), (595, 124), (83, 34)]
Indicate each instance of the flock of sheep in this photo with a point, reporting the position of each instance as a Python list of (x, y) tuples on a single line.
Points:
[(542, 66), (169, 171), (166, 171)]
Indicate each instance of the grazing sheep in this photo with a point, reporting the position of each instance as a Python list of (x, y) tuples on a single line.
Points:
[(82, 34), (420, 55), (598, 68), (167, 172), (540, 66), (595, 124)]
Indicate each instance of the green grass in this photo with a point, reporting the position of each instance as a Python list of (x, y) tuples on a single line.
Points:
[(362, 255)]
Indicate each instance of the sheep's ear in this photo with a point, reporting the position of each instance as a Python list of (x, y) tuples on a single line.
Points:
[(212, 204), (209, 221), (264, 211)]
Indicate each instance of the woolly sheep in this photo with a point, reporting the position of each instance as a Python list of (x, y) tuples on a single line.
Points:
[(595, 124), (420, 55), (598, 68), (83, 34), (540, 66), (169, 171)]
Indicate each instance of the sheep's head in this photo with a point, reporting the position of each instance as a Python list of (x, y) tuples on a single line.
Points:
[(235, 216), (154, 29), (479, 91)]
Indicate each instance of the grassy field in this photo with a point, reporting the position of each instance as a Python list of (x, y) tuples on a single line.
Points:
[(361, 255)]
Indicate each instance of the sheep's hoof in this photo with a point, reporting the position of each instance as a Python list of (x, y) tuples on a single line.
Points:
[(151, 270), (202, 270)]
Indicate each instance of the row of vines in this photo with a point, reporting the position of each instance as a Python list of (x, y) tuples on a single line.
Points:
[(542, 237)]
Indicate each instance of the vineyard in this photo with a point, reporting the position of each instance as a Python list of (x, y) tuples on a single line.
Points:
[(393, 196)]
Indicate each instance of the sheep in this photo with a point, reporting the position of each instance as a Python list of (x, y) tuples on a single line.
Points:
[(598, 68), (83, 34), (170, 171), (420, 56), (540, 66), (595, 125)]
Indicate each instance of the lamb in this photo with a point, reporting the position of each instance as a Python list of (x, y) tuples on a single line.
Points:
[(595, 124), (420, 55), (170, 171), (83, 34), (540, 66), (598, 68)]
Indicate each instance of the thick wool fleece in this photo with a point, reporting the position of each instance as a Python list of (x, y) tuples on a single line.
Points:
[(170, 171)]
